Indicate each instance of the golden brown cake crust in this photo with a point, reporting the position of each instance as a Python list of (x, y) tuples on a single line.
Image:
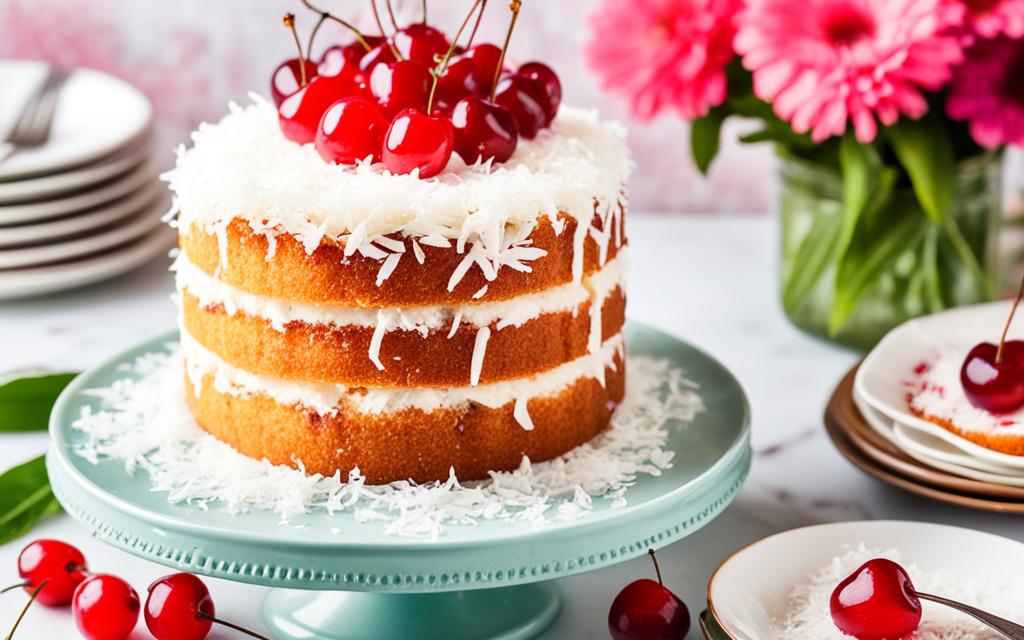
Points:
[(1011, 444), (328, 277), (328, 353), (409, 444)]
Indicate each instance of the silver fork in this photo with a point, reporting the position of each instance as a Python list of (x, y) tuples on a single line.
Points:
[(32, 127)]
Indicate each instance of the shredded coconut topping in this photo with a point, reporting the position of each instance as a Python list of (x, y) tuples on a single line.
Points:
[(808, 617), (145, 424)]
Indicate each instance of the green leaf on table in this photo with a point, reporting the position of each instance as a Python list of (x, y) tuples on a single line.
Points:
[(924, 150), (25, 402), (25, 498), (872, 255), (705, 134)]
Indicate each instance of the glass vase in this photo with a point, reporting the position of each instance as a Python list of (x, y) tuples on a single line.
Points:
[(938, 266)]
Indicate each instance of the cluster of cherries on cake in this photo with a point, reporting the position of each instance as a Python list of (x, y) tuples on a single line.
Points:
[(105, 607), (411, 99)]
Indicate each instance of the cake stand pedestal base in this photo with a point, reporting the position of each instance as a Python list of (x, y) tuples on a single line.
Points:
[(506, 613)]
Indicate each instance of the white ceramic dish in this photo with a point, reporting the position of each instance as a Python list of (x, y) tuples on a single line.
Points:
[(922, 447), (47, 187), (96, 115), (748, 592), (128, 230), (36, 281), (75, 203), (880, 379), (53, 230)]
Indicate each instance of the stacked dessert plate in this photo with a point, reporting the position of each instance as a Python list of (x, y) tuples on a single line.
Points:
[(86, 205), (902, 415)]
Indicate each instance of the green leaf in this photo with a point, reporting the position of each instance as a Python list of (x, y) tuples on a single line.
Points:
[(25, 498), (860, 165), (963, 249), (924, 150), (872, 255), (810, 260), (704, 137), (25, 403)]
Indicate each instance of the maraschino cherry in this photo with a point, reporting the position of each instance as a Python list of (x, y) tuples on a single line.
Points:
[(288, 78), (421, 43), (351, 130), (401, 85), (527, 101), (993, 376), (547, 78), (179, 607), (483, 130), (57, 564), (876, 602), (105, 608), (646, 610)]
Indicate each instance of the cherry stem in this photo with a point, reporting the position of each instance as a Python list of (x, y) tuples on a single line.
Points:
[(289, 22), (657, 569), (443, 65), (1006, 327), (391, 14), (380, 26), (472, 34), (514, 6), (229, 625), (24, 609), (326, 15), (20, 585)]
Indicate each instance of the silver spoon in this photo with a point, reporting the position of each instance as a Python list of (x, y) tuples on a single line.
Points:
[(1011, 630)]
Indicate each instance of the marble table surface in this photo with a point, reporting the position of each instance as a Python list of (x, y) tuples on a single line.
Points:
[(709, 280)]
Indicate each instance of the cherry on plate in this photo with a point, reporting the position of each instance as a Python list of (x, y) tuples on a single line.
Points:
[(528, 102), (876, 602), (105, 607), (483, 130), (421, 43), (351, 129), (61, 565), (647, 610), (415, 140), (400, 85), (994, 380), (287, 78)]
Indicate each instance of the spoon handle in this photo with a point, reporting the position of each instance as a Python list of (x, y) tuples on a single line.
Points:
[(1011, 630)]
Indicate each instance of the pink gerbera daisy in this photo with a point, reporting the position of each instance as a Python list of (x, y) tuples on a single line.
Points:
[(988, 92), (823, 62), (664, 53), (990, 18)]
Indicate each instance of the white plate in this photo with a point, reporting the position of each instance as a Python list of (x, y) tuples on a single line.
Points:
[(23, 283), (29, 213), (925, 453), (47, 186), (880, 378), (748, 592), (96, 115), (65, 227), (128, 230)]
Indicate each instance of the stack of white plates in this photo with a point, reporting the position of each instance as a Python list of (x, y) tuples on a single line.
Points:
[(880, 394), (86, 205)]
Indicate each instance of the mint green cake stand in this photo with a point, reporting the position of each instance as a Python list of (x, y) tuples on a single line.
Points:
[(337, 579)]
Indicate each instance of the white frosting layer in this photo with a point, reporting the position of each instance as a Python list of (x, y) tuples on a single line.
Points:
[(324, 398), (936, 391), (244, 167), (507, 313)]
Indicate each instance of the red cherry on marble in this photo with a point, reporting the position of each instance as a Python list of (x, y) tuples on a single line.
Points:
[(287, 78), (179, 607), (994, 385), (646, 610), (380, 54), (400, 85), (61, 565), (351, 129), (418, 141), (486, 58), (876, 602), (300, 113), (421, 43), (483, 130), (105, 608), (547, 78), (528, 102)]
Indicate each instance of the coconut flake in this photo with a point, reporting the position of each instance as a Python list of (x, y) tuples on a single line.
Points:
[(389, 266), (455, 324), (479, 349), (377, 338), (522, 415)]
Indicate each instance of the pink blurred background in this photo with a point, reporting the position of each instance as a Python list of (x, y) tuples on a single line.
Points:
[(193, 56)]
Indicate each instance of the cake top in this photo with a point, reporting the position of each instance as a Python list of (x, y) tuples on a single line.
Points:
[(243, 167)]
